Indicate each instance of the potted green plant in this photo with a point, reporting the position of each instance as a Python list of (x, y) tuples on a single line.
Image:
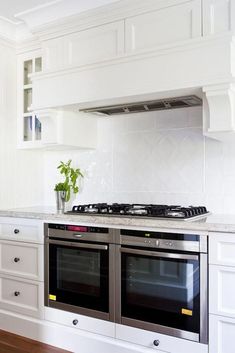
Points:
[(70, 184)]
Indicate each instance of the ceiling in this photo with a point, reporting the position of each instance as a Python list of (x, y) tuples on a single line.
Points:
[(10, 8)]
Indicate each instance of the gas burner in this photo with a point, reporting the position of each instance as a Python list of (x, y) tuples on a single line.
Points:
[(142, 210)]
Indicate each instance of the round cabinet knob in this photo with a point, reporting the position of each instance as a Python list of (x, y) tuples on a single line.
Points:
[(16, 259), (16, 231), (156, 343), (75, 322), (16, 294)]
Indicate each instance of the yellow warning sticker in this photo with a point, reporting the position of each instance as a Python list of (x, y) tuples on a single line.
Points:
[(52, 297), (186, 312)]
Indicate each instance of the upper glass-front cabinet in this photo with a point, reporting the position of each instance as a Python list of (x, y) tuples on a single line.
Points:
[(29, 125)]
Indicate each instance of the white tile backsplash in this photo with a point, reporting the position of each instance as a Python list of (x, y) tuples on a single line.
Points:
[(157, 157)]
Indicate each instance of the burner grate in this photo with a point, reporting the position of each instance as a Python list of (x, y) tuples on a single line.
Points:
[(147, 210)]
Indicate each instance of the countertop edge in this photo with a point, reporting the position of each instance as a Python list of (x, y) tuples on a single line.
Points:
[(204, 224)]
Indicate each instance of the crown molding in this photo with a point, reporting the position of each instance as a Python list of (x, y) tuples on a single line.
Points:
[(7, 29), (115, 11)]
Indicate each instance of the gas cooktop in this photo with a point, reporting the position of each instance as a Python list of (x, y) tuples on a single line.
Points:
[(142, 210)]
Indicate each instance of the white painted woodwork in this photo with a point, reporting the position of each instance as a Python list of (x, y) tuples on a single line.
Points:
[(222, 290), (30, 298), (185, 67), (219, 110), (84, 47), (167, 25), (221, 333), (21, 230), (86, 323), (218, 16), (167, 343), (222, 249), (76, 341), (30, 259), (66, 129)]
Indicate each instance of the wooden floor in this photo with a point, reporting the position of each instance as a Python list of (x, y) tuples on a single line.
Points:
[(10, 343)]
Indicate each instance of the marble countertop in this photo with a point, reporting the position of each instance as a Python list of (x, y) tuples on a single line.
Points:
[(213, 222)]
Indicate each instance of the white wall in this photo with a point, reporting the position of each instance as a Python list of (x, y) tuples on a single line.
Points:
[(20, 171), (158, 157)]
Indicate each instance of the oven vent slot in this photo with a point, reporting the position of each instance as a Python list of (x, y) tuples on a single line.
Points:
[(148, 106)]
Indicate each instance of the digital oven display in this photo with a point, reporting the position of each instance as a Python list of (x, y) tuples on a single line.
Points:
[(77, 229)]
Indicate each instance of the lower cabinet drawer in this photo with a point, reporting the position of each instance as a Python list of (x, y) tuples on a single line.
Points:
[(81, 322), (165, 343), (21, 259), (222, 290), (221, 333), (24, 297), (21, 229)]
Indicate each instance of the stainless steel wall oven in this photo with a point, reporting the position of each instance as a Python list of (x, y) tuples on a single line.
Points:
[(79, 269), (151, 280), (161, 284)]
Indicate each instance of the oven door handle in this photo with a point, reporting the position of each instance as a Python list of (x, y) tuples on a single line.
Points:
[(159, 254), (79, 245)]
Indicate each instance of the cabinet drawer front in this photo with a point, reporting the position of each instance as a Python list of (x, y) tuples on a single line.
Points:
[(222, 290), (21, 259), (163, 26), (166, 343), (222, 249), (221, 333), (24, 297), (81, 322), (21, 229)]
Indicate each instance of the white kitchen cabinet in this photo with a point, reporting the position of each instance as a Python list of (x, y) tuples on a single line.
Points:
[(21, 229), (48, 129), (222, 289), (166, 343), (221, 292), (21, 296), (22, 266), (171, 22), (80, 322), (222, 249), (218, 16), (222, 333), (84, 47), (21, 259), (29, 126)]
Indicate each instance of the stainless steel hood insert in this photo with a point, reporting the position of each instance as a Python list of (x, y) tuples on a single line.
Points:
[(146, 106)]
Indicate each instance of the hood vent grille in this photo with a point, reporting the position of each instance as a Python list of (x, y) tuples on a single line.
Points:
[(147, 106)]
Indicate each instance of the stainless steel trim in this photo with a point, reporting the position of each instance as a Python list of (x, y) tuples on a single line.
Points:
[(161, 329), (159, 254), (204, 298), (94, 237), (79, 245), (118, 281), (112, 267), (182, 245), (46, 267), (79, 310)]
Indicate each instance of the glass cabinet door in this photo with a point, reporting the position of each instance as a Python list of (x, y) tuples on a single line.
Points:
[(31, 125)]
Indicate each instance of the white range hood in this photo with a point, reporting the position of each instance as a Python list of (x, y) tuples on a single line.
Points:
[(188, 59)]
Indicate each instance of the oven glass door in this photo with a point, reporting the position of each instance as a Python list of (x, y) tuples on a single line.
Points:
[(79, 275), (161, 288)]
